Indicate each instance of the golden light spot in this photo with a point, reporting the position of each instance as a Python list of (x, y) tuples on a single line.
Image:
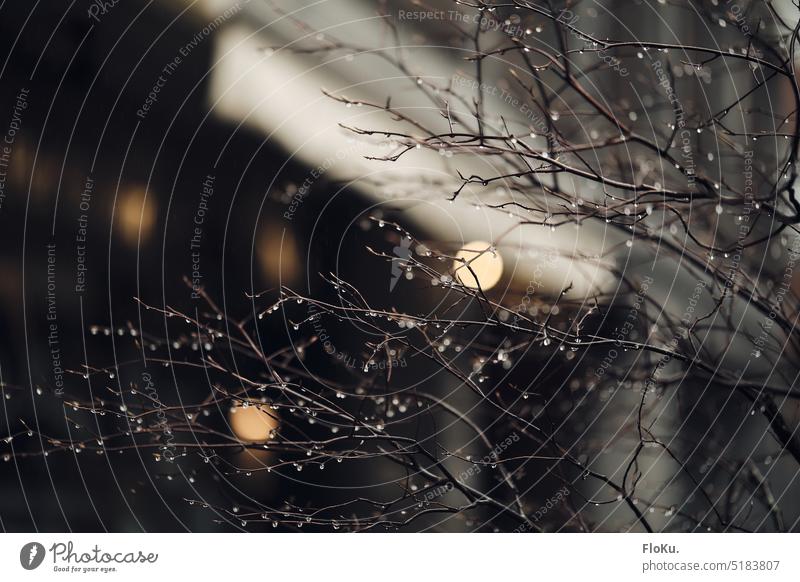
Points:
[(484, 263), (279, 254), (136, 215), (251, 424)]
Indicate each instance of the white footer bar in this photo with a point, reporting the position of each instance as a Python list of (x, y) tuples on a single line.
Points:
[(400, 557)]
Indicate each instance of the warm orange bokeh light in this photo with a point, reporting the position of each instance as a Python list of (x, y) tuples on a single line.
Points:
[(251, 424), (488, 267), (279, 254), (135, 212)]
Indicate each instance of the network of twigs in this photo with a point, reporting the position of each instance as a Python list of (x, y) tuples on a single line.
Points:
[(669, 179)]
